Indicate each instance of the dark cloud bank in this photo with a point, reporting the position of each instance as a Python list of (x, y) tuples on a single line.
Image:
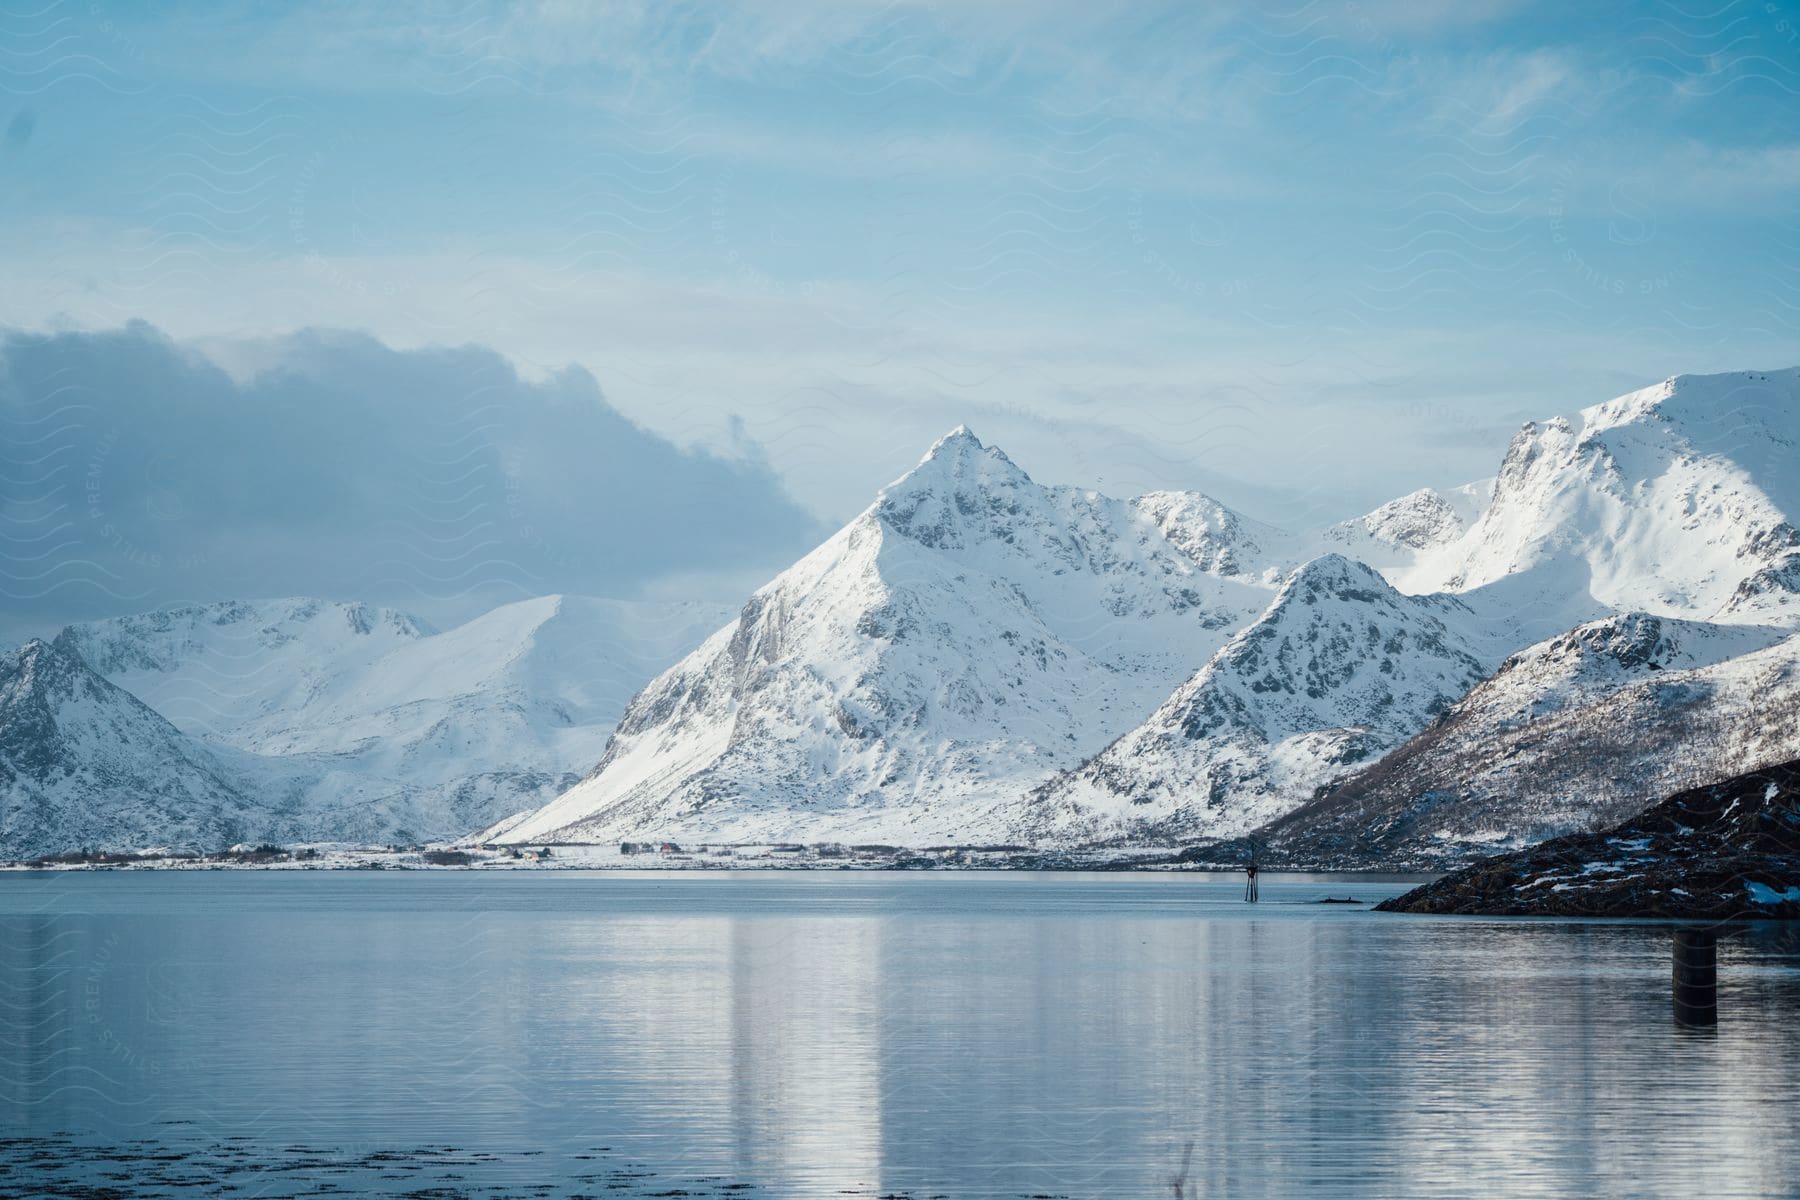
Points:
[(134, 472)]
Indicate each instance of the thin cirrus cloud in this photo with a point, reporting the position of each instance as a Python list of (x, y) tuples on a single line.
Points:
[(139, 473)]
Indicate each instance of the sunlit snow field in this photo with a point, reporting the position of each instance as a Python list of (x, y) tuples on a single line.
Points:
[(827, 1033)]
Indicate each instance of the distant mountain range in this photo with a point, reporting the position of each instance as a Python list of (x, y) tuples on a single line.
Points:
[(978, 658), (308, 720)]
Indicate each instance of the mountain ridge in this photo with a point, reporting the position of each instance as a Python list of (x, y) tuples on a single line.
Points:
[(977, 657)]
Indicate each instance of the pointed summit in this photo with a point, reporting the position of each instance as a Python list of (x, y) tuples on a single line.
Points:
[(962, 434), (959, 446), (960, 490), (1333, 575)]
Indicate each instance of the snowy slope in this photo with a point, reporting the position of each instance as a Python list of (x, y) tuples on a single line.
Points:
[(968, 635), (214, 669), (1679, 500), (530, 686), (85, 764), (1340, 668), (353, 723), (1586, 727)]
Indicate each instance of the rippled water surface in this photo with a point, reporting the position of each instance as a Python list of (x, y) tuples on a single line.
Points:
[(819, 1034)]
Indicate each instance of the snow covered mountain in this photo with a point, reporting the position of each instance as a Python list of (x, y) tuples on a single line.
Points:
[(1678, 500), (84, 763), (529, 690), (1585, 728), (1226, 543), (324, 721), (968, 635), (1339, 669), (1399, 533)]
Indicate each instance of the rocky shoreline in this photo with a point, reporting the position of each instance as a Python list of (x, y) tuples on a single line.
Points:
[(1727, 851)]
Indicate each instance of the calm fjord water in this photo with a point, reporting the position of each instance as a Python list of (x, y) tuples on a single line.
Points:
[(816, 1034)]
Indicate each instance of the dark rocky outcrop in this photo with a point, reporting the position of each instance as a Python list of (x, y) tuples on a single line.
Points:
[(1726, 851)]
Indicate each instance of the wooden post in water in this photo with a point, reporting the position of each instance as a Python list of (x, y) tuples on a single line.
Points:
[(1696, 977)]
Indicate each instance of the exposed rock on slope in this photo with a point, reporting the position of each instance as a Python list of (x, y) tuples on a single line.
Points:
[(1223, 542), (1726, 850), (943, 668), (1675, 498)]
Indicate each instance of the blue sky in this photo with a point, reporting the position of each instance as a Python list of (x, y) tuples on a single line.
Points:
[(1303, 255)]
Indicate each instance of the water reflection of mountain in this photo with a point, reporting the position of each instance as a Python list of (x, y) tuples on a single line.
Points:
[(967, 1037)]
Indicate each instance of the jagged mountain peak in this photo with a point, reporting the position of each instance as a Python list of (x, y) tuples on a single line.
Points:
[(1400, 533), (962, 437), (32, 650), (1601, 655), (958, 450), (1418, 519), (1735, 396), (1332, 568), (35, 665), (1334, 620), (961, 492), (1333, 578), (1637, 640), (973, 503)]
